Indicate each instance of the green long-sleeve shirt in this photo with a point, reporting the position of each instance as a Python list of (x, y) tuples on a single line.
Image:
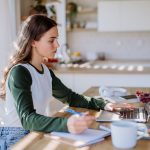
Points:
[(20, 82)]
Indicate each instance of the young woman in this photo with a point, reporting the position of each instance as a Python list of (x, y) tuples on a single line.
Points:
[(28, 86)]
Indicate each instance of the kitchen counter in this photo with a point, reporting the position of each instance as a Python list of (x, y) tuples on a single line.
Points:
[(106, 67), (79, 77)]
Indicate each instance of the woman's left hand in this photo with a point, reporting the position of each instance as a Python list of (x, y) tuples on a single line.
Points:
[(118, 107)]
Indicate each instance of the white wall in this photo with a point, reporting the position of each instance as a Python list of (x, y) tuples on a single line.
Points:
[(116, 45)]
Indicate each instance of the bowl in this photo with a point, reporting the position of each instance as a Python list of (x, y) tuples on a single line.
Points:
[(143, 97)]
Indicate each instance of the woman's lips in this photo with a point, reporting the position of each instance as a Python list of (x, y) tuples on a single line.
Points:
[(53, 60)]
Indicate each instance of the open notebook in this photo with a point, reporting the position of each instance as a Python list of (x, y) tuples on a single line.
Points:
[(90, 136)]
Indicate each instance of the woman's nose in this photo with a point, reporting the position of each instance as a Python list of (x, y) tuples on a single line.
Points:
[(57, 44)]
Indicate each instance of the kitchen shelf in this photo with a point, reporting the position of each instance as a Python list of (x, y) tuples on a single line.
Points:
[(81, 29), (88, 11)]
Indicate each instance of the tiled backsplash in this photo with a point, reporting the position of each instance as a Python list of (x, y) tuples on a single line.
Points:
[(115, 45)]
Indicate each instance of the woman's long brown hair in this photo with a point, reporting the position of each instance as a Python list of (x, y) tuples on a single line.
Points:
[(32, 29)]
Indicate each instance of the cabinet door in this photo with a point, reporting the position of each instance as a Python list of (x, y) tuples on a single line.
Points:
[(67, 80), (135, 15), (83, 82), (109, 18), (124, 15)]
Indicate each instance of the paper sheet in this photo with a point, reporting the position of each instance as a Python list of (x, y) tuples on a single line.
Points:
[(90, 136)]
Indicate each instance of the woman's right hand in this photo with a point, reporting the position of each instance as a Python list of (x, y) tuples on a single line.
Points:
[(77, 124)]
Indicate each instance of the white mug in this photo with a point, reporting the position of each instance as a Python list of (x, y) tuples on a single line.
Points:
[(124, 134)]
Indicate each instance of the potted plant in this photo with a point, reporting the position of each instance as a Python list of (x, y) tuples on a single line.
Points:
[(72, 13), (38, 8)]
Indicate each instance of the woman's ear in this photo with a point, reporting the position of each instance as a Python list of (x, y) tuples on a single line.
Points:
[(33, 44)]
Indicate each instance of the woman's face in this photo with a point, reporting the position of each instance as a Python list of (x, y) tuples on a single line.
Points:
[(48, 44)]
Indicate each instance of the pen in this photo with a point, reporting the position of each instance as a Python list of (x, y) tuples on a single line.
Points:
[(71, 111), (105, 128)]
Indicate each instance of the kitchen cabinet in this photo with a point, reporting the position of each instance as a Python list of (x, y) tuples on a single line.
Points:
[(67, 79), (115, 80), (124, 15), (81, 82), (105, 73)]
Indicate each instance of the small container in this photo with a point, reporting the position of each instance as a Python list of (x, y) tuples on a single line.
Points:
[(91, 56), (143, 97)]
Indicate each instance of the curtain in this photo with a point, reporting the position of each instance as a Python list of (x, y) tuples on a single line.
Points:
[(7, 30), (7, 35)]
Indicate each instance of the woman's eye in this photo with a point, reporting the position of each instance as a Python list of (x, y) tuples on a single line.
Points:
[(51, 41)]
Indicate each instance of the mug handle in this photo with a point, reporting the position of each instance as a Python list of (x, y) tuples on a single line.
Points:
[(142, 131)]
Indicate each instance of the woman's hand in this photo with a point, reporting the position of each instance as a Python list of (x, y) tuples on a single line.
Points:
[(77, 124), (118, 107)]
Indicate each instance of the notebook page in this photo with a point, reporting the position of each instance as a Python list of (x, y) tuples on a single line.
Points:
[(90, 136)]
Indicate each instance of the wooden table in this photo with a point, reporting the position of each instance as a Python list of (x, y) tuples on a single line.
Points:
[(40, 141)]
